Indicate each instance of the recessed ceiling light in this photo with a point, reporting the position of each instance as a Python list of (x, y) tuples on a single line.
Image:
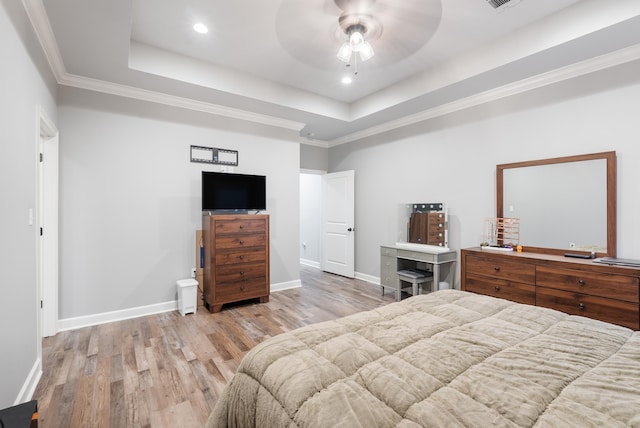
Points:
[(200, 28), (346, 80)]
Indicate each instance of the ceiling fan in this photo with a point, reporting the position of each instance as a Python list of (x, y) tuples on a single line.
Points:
[(312, 31), (360, 27)]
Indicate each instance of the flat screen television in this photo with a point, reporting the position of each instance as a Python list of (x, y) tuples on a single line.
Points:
[(223, 191)]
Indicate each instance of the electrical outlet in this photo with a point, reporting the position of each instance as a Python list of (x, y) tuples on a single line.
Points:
[(193, 272)]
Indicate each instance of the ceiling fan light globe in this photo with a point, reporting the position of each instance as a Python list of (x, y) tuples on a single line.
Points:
[(356, 41), (200, 28), (366, 52), (344, 53)]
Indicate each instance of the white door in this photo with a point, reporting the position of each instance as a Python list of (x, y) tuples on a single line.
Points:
[(47, 215), (338, 223)]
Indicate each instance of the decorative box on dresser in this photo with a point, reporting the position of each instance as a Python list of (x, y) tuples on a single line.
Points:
[(576, 286), (236, 259)]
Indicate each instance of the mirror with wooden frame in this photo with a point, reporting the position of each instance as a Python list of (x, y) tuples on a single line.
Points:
[(565, 204)]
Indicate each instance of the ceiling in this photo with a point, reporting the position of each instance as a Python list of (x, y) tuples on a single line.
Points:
[(274, 61)]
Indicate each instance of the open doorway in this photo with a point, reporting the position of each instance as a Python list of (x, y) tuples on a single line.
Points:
[(326, 221), (311, 217)]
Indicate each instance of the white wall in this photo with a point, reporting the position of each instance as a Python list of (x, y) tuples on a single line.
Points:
[(453, 158), (310, 218), (130, 197), (25, 82), (314, 157)]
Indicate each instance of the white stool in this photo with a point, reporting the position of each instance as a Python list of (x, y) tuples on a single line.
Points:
[(415, 278)]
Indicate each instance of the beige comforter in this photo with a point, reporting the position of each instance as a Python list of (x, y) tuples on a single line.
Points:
[(446, 359)]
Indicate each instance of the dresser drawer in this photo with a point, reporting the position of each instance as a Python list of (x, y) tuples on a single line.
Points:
[(241, 241), (240, 226), (234, 273), (510, 290), (501, 269), (594, 283), (614, 311), (241, 290), (419, 256), (237, 257)]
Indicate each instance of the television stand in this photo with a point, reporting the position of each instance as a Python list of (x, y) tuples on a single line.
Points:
[(236, 259)]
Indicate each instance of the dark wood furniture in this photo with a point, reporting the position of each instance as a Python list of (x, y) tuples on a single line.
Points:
[(236, 259), (23, 415), (576, 286), (427, 228)]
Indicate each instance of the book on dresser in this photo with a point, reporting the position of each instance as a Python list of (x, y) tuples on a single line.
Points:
[(576, 286), (236, 259)]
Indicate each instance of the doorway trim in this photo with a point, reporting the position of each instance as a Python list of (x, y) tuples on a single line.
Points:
[(47, 218)]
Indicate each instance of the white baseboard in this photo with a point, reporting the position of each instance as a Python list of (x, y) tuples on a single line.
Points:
[(368, 278), (30, 384), (310, 263), (141, 311), (286, 285), (124, 314)]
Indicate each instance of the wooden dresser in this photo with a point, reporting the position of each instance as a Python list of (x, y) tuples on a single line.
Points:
[(236, 259), (576, 286)]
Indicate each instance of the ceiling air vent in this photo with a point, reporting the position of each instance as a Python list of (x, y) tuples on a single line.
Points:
[(496, 4)]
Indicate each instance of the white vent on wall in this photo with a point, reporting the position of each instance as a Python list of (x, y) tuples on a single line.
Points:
[(501, 4)]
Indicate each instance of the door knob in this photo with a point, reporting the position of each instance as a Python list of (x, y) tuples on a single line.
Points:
[(350, 229)]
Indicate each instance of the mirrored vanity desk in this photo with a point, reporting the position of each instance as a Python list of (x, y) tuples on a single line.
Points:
[(407, 256)]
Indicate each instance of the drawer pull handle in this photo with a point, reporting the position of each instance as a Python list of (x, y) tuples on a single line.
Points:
[(581, 306), (241, 272), (581, 282), (241, 257), (497, 268), (241, 242), (242, 288), (241, 226), (497, 288)]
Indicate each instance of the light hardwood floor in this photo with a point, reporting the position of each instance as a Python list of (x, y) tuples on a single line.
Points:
[(166, 370)]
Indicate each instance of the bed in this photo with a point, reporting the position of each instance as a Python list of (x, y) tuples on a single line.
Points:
[(445, 359)]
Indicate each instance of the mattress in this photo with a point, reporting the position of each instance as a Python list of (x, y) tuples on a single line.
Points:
[(445, 359)]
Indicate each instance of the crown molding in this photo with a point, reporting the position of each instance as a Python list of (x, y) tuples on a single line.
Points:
[(37, 15), (582, 68), (40, 22), (316, 143), (175, 101)]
